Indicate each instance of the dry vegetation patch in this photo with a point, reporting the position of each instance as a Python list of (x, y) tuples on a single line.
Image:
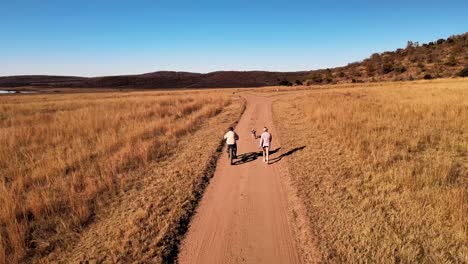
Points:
[(60, 153), (384, 170)]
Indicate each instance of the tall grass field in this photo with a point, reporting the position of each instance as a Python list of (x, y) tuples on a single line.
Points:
[(60, 153), (384, 169)]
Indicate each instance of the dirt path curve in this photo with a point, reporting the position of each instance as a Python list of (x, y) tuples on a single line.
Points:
[(243, 216)]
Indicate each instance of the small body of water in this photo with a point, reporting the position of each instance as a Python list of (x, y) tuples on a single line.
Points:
[(13, 92)]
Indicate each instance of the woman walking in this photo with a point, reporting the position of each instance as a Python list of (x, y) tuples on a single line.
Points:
[(265, 144)]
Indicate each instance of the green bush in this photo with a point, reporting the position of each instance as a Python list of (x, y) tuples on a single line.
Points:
[(427, 77)]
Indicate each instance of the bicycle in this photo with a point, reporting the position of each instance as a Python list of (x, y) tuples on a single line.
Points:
[(232, 149)]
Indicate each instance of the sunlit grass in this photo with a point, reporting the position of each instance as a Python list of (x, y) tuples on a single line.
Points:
[(60, 152), (384, 171)]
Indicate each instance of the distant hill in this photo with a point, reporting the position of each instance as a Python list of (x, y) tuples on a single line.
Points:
[(439, 59), (162, 79)]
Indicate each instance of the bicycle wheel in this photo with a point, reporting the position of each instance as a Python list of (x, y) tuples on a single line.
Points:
[(231, 155)]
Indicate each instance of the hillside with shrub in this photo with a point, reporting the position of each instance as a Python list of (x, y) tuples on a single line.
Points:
[(443, 58)]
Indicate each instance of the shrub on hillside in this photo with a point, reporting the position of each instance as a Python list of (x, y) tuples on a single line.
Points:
[(370, 69), (387, 68), (451, 61), (298, 82), (317, 78), (427, 77), (400, 69), (285, 83), (463, 72)]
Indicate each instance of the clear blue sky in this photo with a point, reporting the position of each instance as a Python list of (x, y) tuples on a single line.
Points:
[(109, 37)]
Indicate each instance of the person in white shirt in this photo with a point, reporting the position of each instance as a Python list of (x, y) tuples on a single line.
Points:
[(231, 138), (265, 144)]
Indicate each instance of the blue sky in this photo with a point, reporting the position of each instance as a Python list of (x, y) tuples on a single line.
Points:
[(104, 37)]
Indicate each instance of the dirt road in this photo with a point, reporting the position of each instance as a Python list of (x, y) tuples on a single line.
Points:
[(243, 216)]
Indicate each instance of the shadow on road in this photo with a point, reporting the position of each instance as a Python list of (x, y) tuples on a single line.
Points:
[(251, 156), (274, 160)]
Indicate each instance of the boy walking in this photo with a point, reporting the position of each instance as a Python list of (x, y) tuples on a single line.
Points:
[(231, 138)]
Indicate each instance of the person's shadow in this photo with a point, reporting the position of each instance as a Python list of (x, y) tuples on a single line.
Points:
[(274, 160), (251, 156)]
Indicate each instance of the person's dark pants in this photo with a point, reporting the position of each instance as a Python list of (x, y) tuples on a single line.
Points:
[(234, 149)]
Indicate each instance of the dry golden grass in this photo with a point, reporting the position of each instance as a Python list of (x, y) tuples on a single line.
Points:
[(384, 171), (146, 219), (60, 153)]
